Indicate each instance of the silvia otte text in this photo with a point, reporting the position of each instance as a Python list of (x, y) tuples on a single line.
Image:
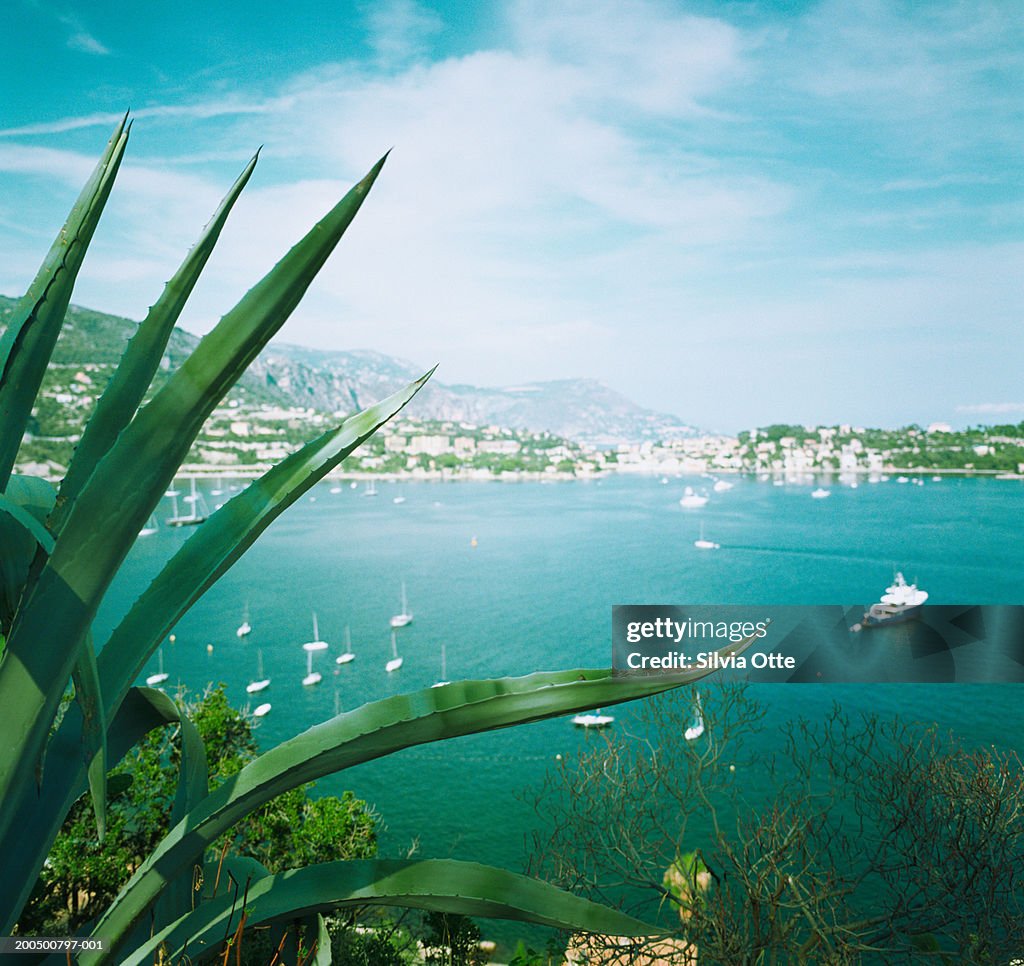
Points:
[(703, 660)]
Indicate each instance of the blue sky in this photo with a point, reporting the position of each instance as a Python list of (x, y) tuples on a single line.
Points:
[(742, 213)]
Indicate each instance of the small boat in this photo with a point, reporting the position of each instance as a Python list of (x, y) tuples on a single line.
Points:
[(721, 486), (178, 519), (402, 618), (396, 662), (313, 677), (261, 710), (245, 628), (398, 500), (154, 679), (697, 728), (334, 489), (347, 655), (902, 479), (691, 500), (261, 683), (703, 544), (900, 602), (820, 493), (592, 720), (444, 676)]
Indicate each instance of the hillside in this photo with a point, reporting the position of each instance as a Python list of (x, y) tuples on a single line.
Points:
[(580, 409)]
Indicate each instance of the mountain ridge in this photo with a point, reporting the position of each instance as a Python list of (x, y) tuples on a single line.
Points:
[(332, 380)]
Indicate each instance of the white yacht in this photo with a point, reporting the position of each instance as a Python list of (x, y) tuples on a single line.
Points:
[(261, 683), (900, 602), (703, 544), (402, 618), (697, 728), (691, 500), (592, 719), (347, 655), (310, 647), (154, 679), (396, 662), (195, 500)]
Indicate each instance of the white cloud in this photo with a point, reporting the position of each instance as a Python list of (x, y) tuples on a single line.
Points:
[(86, 43), (400, 30)]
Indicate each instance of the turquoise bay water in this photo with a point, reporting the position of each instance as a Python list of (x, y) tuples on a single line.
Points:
[(536, 593)]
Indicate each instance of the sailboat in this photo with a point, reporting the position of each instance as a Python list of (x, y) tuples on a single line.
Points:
[(444, 673), (404, 617), (313, 677), (371, 489), (154, 679), (593, 720), (261, 682), (178, 519), (245, 627), (396, 662), (697, 728), (348, 655), (703, 544), (150, 528)]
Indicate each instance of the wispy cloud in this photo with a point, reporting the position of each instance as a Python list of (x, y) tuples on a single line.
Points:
[(86, 43), (401, 30), (203, 110)]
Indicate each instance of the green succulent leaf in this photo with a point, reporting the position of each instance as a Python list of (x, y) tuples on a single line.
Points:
[(37, 816), (435, 885), (225, 536), (27, 344), (94, 730), (22, 537), (370, 732), (126, 389), (125, 488), (323, 955)]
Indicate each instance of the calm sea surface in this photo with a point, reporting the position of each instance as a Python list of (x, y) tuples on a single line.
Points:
[(535, 592)]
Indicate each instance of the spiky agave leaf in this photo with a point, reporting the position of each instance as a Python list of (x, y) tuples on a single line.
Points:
[(125, 488), (202, 560), (38, 818), (434, 885), (134, 374), (28, 342), (370, 732)]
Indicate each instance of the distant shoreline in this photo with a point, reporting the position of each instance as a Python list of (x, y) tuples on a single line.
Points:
[(208, 472)]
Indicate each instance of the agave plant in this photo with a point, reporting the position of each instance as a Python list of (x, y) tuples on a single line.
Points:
[(60, 548)]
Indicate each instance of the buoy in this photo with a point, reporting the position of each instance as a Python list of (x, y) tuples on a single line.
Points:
[(472, 542), (172, 638), (209, 648)]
